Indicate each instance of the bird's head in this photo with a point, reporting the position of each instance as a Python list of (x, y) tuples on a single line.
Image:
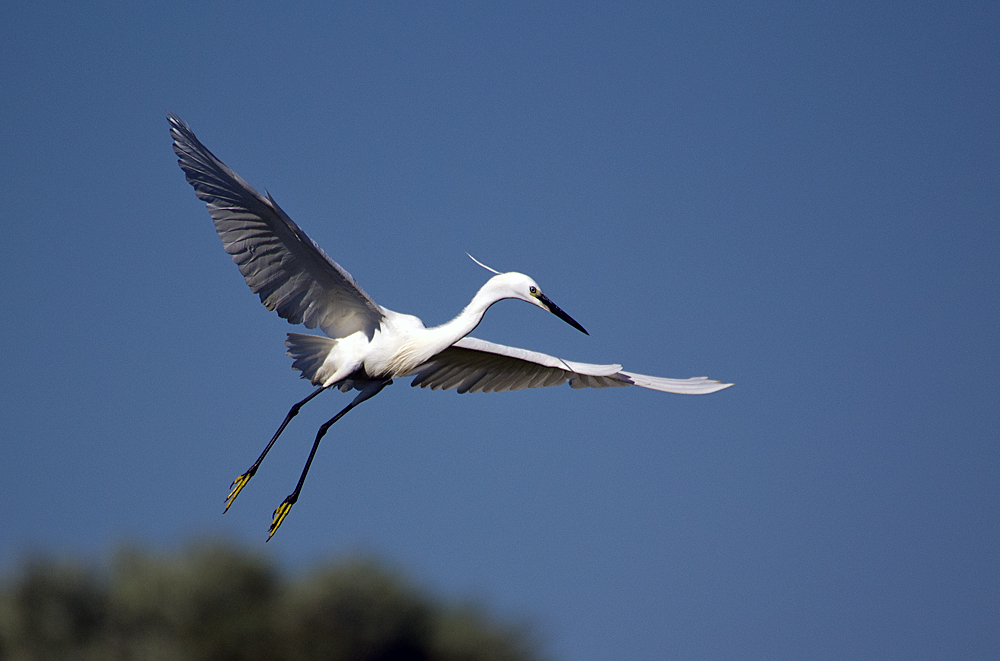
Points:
[(519, 286)]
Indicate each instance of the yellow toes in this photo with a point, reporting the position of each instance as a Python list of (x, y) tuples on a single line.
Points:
[(238, 485), (279, 516)]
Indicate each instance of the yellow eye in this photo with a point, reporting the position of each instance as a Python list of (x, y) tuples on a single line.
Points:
[(533, 290)]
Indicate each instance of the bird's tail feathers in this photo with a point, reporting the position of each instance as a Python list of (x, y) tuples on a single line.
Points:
[(310, 352)]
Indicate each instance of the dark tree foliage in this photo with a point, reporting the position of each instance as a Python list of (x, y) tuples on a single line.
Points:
[(215, 602)]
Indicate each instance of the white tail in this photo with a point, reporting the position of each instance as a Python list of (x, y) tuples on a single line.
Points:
[(310, 352)]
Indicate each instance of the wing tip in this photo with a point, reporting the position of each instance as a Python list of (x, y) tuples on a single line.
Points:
[(698, 385)]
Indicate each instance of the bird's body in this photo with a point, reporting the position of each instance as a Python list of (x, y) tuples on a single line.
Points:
[(366, 346), (401, 343)]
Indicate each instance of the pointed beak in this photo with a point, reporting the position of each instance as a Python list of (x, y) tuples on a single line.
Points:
[(557, 311)]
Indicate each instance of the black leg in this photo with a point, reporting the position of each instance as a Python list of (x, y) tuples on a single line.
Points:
[(370, 390), (242, 480)]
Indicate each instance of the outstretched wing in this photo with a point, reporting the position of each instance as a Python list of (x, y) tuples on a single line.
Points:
[(292, 275), (472, 365)]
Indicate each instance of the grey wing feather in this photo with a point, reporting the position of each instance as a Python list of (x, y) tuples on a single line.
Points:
[(292, 275), (472, 365)]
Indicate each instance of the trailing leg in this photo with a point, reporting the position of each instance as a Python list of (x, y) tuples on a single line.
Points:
[(242, 480), (370, 390)]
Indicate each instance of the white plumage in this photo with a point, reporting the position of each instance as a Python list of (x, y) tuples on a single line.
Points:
[(367, 345)]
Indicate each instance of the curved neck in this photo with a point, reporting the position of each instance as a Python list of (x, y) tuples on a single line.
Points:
[(469, 318), (420, 345)]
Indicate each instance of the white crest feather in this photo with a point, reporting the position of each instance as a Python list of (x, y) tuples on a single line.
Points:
[(483, 265)]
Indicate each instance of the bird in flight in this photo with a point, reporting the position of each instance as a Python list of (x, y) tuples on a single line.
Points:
[(365, 346)]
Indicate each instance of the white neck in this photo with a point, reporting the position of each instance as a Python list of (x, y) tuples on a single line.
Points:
[(467, 320), (428, 342)]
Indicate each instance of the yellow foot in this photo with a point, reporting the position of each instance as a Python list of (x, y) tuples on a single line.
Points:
[(238, 485), (279, 515)]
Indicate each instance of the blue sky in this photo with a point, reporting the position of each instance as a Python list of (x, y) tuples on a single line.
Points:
[(802, 199)]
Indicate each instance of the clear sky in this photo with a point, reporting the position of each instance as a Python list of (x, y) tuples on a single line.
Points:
[(802, 198)]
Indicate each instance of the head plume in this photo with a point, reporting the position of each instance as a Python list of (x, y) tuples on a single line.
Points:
[(484, 265)]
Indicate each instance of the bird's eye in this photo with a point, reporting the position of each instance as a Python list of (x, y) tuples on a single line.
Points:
[(533, 290)]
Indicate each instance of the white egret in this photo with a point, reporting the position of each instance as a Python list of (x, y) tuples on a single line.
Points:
[(366, 345)]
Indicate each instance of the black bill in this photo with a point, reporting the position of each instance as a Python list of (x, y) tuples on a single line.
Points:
[(557, 311)]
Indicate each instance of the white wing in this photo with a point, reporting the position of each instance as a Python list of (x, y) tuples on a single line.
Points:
[(292, 275), (472, 365)]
